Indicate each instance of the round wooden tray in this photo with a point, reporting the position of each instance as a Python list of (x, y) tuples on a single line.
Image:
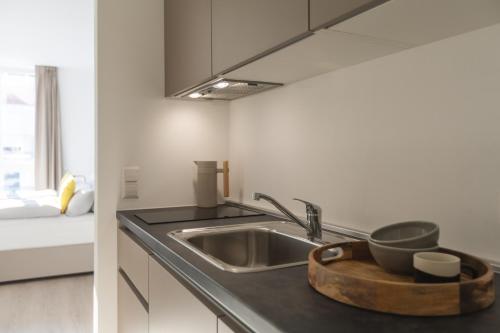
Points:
[(355, 278)]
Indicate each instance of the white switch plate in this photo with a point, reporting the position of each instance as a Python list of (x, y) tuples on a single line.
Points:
[(131, 174), (130, 182), (130, 190)]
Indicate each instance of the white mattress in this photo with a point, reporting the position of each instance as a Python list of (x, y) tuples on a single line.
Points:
[(30, 204), (46, 232)]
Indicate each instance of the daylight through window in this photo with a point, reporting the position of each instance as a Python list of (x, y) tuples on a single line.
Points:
[(17, 130)]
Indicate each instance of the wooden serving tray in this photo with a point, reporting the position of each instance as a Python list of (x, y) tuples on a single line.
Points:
[(355, 278)]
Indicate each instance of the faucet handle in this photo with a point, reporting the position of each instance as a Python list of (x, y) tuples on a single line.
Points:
[(310, 207), (313, 219)]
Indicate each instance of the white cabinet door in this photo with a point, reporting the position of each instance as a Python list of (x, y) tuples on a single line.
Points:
[(222, 327), (323, 12), (188, 50), (172, 308), (133, 259), (132, 316), (242, 29)]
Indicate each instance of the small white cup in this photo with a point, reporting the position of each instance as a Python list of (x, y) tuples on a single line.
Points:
[(436, 267)]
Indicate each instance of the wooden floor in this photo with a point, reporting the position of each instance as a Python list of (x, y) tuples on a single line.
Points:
[(56, 305)]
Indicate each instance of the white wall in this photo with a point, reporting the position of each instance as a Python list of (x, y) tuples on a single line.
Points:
[(136, 125), (57, 33), (414, 135)]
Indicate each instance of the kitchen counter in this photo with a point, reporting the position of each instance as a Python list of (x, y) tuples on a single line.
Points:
[(281, 300)]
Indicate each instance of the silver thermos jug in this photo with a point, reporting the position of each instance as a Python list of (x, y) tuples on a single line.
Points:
[(206, 184)]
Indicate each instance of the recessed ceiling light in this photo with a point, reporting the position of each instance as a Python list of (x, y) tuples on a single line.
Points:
[(221, 85), (195, 95)]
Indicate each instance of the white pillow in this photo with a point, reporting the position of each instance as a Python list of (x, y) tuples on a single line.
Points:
[(29, 208), (80, 203)]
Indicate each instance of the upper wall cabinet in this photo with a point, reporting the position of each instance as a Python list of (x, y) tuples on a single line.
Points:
[(387, 28), (243, 29), (423, 21), (324, 13), (187, 44), (265, 40)]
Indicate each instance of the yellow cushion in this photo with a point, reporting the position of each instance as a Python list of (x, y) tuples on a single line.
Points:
[(66, 191), (67, 176)]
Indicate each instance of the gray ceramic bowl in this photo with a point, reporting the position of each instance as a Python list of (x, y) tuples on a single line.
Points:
[(410, 235), (394, 259)]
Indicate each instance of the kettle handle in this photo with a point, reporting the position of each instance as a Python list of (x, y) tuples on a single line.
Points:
[(225, 176)]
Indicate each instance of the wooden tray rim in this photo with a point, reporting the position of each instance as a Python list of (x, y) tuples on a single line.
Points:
[(316, 253), (400, 297)]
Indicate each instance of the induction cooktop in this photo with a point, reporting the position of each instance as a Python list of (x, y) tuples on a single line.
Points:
[(193, 213)]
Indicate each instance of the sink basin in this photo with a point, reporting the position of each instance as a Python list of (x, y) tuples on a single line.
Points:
[(249, 247)]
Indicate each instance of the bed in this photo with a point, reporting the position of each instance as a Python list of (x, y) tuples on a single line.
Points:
[(36, 247)]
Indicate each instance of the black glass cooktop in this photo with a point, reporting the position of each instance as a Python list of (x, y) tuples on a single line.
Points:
[(193, 213)]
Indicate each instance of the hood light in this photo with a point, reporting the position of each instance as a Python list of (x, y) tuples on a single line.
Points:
[(226, 89), (195, 95), (221, 85)]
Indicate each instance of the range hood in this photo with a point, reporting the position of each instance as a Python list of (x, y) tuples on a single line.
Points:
[(389, 28), (226, 89)]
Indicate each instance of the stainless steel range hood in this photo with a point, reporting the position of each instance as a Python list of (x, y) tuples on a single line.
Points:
[(226, 89)]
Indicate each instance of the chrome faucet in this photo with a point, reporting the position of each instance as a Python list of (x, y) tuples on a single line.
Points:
[(313, 224)]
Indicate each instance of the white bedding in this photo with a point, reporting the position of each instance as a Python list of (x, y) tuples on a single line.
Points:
[(46, 231), (30, 204), (30, 194)]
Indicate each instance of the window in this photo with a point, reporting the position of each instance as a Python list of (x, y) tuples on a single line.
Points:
[(17, 130)]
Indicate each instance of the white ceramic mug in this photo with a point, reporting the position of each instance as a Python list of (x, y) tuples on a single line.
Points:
[(436, 267)]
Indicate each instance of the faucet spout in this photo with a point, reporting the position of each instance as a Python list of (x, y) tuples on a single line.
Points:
[(313, 224)]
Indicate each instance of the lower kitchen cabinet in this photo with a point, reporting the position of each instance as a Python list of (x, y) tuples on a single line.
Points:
[(132, 315), (172, 308), (133, 260), (222, 327)]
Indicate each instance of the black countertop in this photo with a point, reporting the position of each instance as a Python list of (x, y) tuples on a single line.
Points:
[(281, 300)]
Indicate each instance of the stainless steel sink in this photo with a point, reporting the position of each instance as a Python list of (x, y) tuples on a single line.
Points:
[(250, 247)]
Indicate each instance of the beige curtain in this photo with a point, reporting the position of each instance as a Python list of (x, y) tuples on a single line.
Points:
[(47, 129)]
